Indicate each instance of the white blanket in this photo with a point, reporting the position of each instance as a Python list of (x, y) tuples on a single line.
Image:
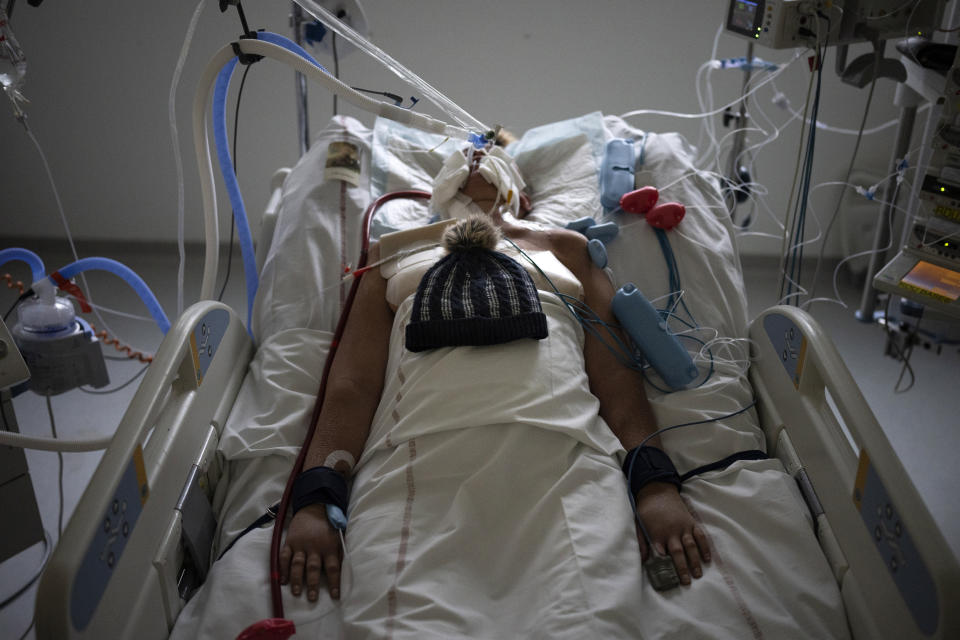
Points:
[(498, 523)]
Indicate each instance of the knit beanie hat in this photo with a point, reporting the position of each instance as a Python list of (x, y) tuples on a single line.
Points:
[(474, 295)]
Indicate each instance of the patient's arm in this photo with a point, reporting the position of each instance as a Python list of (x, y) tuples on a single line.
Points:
[(624, 407), (353, 392)]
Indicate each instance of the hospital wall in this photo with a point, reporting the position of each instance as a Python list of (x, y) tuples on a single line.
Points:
[(99, 77)]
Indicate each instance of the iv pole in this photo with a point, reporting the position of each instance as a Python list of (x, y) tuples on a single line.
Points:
[(297, 21)]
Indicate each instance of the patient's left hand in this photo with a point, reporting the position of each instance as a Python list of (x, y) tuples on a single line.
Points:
[(672, 529), (312, 546)]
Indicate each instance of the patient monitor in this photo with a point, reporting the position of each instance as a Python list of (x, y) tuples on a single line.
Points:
[(785, 24)]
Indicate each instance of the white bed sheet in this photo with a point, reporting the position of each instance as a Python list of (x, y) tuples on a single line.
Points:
[(769, 578)]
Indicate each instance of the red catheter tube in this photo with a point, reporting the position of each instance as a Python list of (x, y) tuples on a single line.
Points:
[(275, 592)]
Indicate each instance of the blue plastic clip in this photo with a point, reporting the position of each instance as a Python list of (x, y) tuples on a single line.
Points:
[(603, 232), (598, 253), (314, 32), (479, 141), (580, 225), (336, 517)]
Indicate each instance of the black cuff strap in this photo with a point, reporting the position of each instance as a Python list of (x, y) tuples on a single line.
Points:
[(644, 465), (319, 485)]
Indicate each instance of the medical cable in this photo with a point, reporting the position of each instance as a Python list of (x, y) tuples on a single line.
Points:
[(718, 110), (587, 317), (233, 223), (23, 296), (121, 387), (793, 272), (175, 135), (63, 217), (837, 299), (336, 65), (53, 430), (275, 589), (629, 473), (846, 179), (13, 284), (279, 48), (125, 273), (240, 219), (47, 549), (449, 107), (903, 355)]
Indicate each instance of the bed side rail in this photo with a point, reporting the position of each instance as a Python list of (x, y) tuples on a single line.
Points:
[(137, 538), (896, 572)]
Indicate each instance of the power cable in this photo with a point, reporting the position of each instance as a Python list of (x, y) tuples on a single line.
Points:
[(233, 221)]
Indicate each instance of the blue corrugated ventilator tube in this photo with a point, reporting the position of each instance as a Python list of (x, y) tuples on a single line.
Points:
[(128, 275), (226, 162)]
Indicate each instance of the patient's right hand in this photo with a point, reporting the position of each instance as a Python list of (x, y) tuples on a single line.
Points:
[(312, 545)]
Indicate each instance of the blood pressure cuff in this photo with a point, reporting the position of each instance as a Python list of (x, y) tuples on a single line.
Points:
[(644, 465), (320, 485)]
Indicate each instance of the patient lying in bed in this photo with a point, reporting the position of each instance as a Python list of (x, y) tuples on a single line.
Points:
[(524, 439)]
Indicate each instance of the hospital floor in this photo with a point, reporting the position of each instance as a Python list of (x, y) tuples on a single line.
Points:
[(921, 425)]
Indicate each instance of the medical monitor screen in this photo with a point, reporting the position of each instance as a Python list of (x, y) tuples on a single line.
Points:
[(744, 17), (933, 280)]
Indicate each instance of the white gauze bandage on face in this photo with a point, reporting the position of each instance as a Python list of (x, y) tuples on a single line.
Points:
[(461, 207), (496, 167), (448, 181), (499, 169)]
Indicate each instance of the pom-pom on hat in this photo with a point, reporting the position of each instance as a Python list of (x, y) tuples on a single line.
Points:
[(474, 295)]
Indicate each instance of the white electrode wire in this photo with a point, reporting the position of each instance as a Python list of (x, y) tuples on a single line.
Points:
[(836, 288), (852, 132), (330, 21), (175, 135), (713, 112), (116, 312), (846, 179), (708, 126), (787, 218), (777, 128), (66, 227)]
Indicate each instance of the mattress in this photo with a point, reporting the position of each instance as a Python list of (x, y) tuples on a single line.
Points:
[(768, 577)]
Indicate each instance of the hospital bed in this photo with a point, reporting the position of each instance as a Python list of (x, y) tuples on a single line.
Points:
[(826, 538)]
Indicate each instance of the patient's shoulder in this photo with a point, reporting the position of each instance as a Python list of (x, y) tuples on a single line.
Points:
[(570, 247)]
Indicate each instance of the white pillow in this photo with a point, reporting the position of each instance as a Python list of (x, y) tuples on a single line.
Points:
[(559, 162)]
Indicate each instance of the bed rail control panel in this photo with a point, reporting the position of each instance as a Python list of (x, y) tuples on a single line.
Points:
[(205, 340), (892, 539), (788, 342), (109, 542)]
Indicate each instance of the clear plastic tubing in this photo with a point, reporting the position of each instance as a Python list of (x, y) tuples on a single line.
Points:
[(446, 104), (128, 275), (24, 255)]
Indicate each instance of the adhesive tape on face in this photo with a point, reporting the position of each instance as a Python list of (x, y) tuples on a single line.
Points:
[(499, 169), (462, 207), (451, 177)]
